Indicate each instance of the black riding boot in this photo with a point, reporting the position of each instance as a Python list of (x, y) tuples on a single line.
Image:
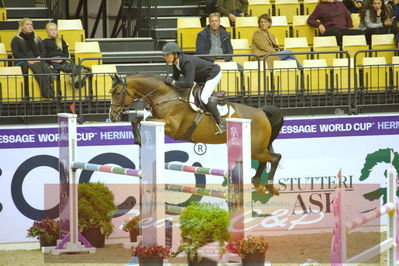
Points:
[(215, 113)]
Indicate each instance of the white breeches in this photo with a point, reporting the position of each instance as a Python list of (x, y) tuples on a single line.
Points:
[(209, 87)]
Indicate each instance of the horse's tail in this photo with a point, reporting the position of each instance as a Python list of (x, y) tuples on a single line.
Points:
[(276, 119)]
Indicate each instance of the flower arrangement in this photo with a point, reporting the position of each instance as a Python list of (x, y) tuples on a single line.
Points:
[(47, 229), (151, 251), (131, 224), (248, 246)]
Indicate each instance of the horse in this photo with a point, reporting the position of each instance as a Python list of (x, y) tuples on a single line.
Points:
[(171, 105)]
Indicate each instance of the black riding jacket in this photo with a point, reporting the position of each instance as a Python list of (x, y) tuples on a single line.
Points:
[(193, 69)]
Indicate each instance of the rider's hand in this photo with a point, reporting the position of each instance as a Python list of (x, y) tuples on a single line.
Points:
[(168, 81)]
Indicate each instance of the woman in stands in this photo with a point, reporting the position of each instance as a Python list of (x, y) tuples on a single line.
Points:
[(27, 45), (264, 42), (375, 18), (332, 18), (196, 69), (57, 48)]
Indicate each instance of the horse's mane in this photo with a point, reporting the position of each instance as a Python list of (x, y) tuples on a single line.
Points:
[(143, 75)]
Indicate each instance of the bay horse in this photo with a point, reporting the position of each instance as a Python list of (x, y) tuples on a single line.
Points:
[(171, 105)]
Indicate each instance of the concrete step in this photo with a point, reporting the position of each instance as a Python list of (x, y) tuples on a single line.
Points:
[(148, 68), (124, 44), (24, 12)]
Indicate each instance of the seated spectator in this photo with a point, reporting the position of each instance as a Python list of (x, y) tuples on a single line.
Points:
[(214, 40), (353, 6), (375, 18), (210, 6), (55, 47), (335, 20), (27, 45), (394, 7), (264, 43), (232, 8)]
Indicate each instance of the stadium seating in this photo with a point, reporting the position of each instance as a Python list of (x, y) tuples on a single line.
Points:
[(3, 55), (286, 77), (11, 84), (326, 44), (240, 46), (301, 28), (395, 72), (309, 6), (297, 44), (187, 31), (86, 50), (256, 8), (102, 81), (375, 74), (354, 43), (225, 22), (341, 75), (355, 20), (254, 84), (34, 88), (71, 30), (316, 76), (280, 28), (383, 41), (231, 79), (3, 14), (287, 8), (245, 27)]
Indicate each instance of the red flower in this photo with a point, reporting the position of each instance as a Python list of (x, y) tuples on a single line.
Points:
[(151, 251), (248, 246)]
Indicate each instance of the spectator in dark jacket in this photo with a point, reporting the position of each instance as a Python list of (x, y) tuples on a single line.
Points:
[(214, 40), (27, 45), (57, 48), (353, 6), (232, 8), (335, 20), (394, 6)]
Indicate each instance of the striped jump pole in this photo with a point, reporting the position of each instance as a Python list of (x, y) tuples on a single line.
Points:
[(238, 175), (391, 244)]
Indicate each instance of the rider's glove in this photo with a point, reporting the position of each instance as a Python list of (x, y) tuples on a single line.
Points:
[(169, 81)]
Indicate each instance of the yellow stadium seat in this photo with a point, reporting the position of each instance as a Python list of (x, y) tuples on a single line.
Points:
[(297, 44), (354, 43), (225, 22), (34, 88), (11, 84), (253, 83), (375, 74), (256, 8), (355, 20), (68, 92), (187, 31), (286, 77), (102, 81), (383, 41), (86, 50), (395, 72), (240, 46), (245, 27), (341, 75), (71, 30), (301, 28), (3, 14), (309, 6), (316, 76), (326, 44), (231, 80), (280, 28), (288, 8), (3, 54)]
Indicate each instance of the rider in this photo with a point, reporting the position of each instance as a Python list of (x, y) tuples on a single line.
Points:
[(194, 69)]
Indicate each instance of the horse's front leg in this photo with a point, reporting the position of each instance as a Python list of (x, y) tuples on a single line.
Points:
[(270, 179), (136, 129)]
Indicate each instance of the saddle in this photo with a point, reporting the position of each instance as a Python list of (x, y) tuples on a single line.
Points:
[(217, 97)]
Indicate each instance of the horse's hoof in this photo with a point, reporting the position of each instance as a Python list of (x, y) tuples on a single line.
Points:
[(261, 190), (272, 189), (256, 181)]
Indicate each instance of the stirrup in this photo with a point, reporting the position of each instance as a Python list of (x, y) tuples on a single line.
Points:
[(220, 130)]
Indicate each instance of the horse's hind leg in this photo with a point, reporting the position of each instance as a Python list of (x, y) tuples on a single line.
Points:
[(274, 163), (257, 178)]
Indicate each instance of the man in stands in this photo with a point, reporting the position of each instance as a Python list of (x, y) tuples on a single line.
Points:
[(214, 40), (232, 8)]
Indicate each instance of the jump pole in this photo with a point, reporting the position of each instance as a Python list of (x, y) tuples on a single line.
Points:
[(391, 244), (238, 174)]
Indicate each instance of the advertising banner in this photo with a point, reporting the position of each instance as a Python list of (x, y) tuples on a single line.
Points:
[(313, 150)]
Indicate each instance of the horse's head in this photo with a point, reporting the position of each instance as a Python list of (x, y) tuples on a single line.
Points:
[(122, 99)]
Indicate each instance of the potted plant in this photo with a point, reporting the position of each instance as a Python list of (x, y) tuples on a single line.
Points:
[(46, 230), (95, 206), (200, 224), (132, 226), (151, 255), (252, 249)]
